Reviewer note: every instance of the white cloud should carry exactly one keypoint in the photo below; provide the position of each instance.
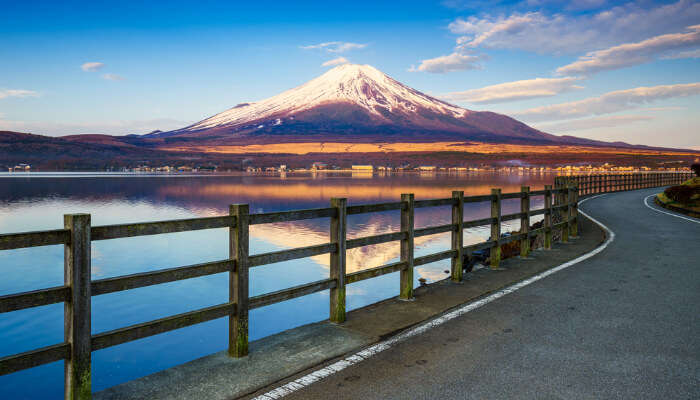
(683, 54)
(92, 66)
(608, 103)
(517, 90)
(335, 47)
(335, 61)
(608, 121)
(452, 62)
(4, 93)
(112, 77)
(103, 127)
(561, 33)
(629, 54)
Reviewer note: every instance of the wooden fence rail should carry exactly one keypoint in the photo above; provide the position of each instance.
(78, 288)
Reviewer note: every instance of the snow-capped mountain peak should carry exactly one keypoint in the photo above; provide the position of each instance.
(361, 85)
(353, 103)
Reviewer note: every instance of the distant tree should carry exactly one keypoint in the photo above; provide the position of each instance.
(696, 168)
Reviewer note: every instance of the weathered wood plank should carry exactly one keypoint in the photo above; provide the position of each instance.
(480, 246)
(34, 298)
(162, 325)
(338, 237)
(433, 230)
(548, 217)
(539, 211)
(509, 217)
(368, 208)
(159, 227)
(478, 222)
(457, 236)
(495, 227)
(407, 247)
(11, 241)
(376, 239)
(374, 272)
(294, 215)
(525, 221)
(290, 254)
(143, 279)
(238, 283)
(291, 293)
(76, 311)
(430, 258)
(34, 358)
(478, 199)
(434, 203)
(514, 195)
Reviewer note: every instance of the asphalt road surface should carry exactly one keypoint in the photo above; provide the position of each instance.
(624, 324)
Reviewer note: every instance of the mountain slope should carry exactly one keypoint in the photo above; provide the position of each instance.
(355, 102)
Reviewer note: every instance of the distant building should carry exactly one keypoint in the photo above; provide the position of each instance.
(364, 168)
(319, 165)
(23, 167)
(427, 168)
(283, 168)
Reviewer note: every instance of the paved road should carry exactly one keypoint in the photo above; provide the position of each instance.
(623, 324)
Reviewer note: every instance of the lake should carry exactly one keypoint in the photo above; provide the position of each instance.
(38, 201)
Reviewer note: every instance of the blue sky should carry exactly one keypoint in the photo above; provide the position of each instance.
(625, 71)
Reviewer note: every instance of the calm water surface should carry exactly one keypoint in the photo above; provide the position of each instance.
(38, 202)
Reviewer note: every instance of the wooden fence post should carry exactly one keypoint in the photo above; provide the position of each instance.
(496, 227)
(548, 217)
(238, 281)
(76, 311)
(573, 224)
(563, 212)
(407, 215)
(338, 267)
(457, 235)
(525, 220)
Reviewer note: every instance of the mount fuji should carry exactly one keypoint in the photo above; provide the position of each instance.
(355, 103)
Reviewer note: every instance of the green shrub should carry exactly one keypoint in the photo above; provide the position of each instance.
(681, 193)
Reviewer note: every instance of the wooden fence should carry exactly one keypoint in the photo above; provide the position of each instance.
(606, 183)
(78, 288)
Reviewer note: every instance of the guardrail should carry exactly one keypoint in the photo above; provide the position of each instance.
(78, 288)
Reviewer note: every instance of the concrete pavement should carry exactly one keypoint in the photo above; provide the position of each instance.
(624, 323)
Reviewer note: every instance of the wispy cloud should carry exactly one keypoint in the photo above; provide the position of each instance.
(608, 121)
(517, 90)
(335, 47)
(683, 54)
(113, 77)
(5, 93)
(335, 61)
(608, 103)
(92, 66)
(629, 54)
(562, 33)
(451, 62)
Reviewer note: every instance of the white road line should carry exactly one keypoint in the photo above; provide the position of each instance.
(338, 366)
(646, 203)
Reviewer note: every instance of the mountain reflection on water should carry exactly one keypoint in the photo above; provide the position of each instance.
(39, 201)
